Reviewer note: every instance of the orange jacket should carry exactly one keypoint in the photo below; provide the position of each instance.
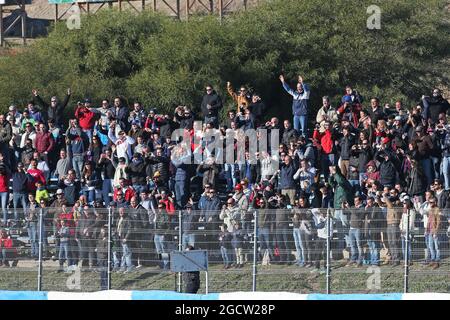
(240, 100)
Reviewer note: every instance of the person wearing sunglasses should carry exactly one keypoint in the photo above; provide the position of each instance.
(242, 99)
(55, 109)
(211, 104)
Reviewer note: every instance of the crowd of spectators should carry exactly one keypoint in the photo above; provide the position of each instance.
(371, 162)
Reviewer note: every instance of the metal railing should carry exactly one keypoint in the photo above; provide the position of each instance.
(306, 251)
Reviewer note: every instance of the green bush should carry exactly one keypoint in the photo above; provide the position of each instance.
(163, 62)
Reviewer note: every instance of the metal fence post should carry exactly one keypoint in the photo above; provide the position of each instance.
(255, 249)
(109, 247)
(328, 275)
(180, 245)
(41, 223)
(407, 242)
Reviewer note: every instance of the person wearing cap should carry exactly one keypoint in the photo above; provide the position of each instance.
(136, 130)
(86, 117)
(189, 225)
(15, 119)
(55, 109)
(60, 200)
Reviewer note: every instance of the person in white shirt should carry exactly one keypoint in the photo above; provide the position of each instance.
(123, 143)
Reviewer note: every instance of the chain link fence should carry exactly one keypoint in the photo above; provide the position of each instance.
(366, 250)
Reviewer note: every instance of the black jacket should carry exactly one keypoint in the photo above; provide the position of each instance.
(20, 181)
(71, 191)
(136, 171)
(106, 168)
(346, 144)
(214, 101)
(53, 113)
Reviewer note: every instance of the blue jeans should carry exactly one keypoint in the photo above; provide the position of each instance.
(433, 247)
(88, 132)
(229, 176)
(225, 258)
(63, 252)
(446, 171)
(427, 166)
(181, 193)
(138, 188)
(342, 230)
(188, 239)
(126, 257)
(4, 199)
(437, 168)
(90, 195)
(161, 245)
(264, 238)
(33, 235)
(116, 260)
(373, 250)
(355, 245)
(404, 247)
(106, 189)
(22, 197)
(299, 246)
(77, 164)
(301, 125)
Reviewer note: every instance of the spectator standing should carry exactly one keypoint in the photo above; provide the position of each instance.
(299, 104)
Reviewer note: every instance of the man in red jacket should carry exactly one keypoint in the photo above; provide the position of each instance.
(7, 250)
(125, 189)
(86, 117)
(44, 141)
(37, 175)
(325, 141)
